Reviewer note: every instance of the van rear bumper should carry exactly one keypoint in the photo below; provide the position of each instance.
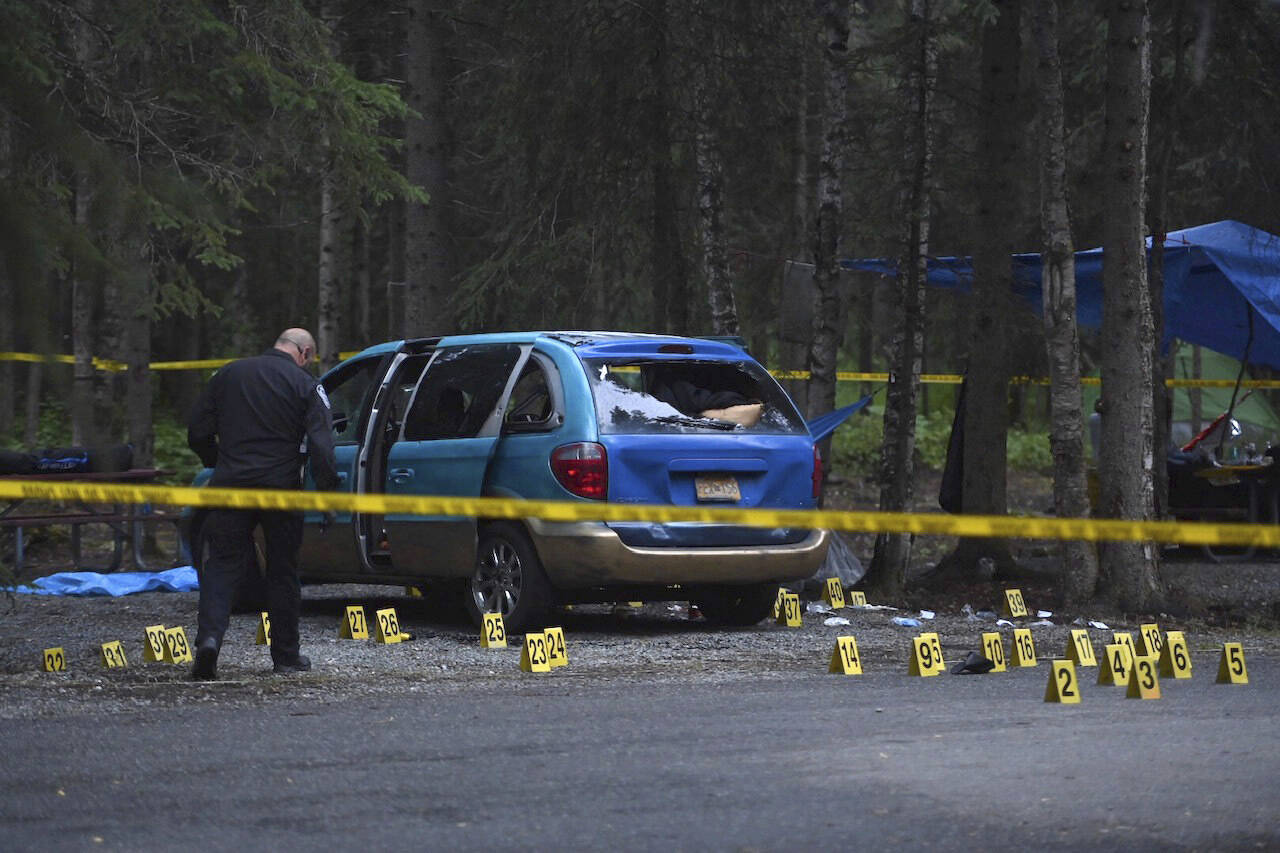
(581, 554)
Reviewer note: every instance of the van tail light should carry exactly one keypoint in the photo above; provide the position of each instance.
(817, 473)
(582, 468)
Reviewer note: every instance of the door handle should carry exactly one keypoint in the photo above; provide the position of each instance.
(401, 475)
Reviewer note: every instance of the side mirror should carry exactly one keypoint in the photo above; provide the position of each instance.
(340, 422)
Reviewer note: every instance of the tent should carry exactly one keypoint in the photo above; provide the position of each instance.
(1220, 279)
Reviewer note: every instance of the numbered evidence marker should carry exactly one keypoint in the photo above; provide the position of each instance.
(844, 657)
(534, 657)
(153, 644)
(1231, 669)
(924, 659)
(833, 593)
(493, 633)
(1063, 685)
(1148, 640)
(176, 649)
(54, 660)
(1080, 649)
(557, 654)
(1175, 660)
(354, 626)
(1013, 603)
(264, 630)
(386, 627)
(939, 665)
(113, 655)
(993, 648)
(856, 598)
(1125, 639)
(1117, 660)
(777, 603)
(1024, 648)
(1143, 683)
(789, 610)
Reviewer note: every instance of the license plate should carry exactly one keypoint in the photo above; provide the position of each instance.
(717, 488)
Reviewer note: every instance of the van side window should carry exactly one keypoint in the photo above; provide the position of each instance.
(459, 391)
(531, 398)
(348, 391)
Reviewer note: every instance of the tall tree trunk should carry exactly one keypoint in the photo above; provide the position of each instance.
(715, 258)
(362, 252)
(329, 299)
(986, 414)
(1062, 337)
(31, 434)
(892, 556)
(667, 259)
(139, 304)
(828, 322)
(8, 295)
(1161, 394)
(396, 285)
(795, 302)
(428, 265)
(83, 421)
(1130, 572)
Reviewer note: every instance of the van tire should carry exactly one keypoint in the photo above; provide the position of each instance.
(508, 578)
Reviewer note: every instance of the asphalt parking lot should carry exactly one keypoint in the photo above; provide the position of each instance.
(661, 733)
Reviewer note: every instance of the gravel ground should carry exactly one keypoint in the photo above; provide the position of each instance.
(658, 641)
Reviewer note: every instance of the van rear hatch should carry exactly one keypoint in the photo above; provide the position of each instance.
(689, 428)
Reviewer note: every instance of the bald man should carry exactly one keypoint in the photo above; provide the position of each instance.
(255, 425)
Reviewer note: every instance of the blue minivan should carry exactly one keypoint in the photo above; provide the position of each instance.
(590, 416)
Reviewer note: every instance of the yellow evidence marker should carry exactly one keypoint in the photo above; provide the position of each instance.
(113, 655)
(1143, 683)
(1231, 668)
(789, 610)
(1013, 603)
(1080, 649)
(557, 654)
(353, 626)
(264, 629)
(1148, 640)
(777, 604)
(993, 648)
(856, 598)
(533, 657)
(493, 633)
(176, 649)
(1024, 648)
(934, 643)
(1063, 686)
(1125, 639)
(1117, 660)
(54, 660)
(844, 657)
(833, 593)
(1175, 659)
(922, 658)
(153, 644)
(386, 627)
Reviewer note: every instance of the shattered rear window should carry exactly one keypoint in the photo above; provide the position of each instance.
(664, 396)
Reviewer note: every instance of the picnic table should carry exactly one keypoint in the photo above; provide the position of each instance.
(126, 522)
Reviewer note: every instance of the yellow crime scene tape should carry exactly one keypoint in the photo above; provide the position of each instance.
(114, 366)
(926, 524)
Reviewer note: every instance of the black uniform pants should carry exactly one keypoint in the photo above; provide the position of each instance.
(230, 556)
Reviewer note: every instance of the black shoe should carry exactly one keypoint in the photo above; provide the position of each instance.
(205, 667)
(975, 663)
(301, 663)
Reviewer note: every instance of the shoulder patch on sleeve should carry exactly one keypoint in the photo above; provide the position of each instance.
(324, 398)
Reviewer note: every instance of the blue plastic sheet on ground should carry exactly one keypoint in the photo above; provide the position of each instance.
(181, 579)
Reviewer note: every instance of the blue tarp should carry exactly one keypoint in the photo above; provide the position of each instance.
(182, 579)
(823, 425)
(1213, 274)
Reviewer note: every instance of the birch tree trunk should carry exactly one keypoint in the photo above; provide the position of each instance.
(986, 409)
(715, 258)
(828, 322)
(1062, 337)
(428, 266)
(329, 292)
(667, 260)
(139, 308)
(795, 313)
(83, 422)
(8, 296)
(1130, 573)
(892, 555)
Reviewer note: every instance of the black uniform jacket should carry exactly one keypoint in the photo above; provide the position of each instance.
(251, 419)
